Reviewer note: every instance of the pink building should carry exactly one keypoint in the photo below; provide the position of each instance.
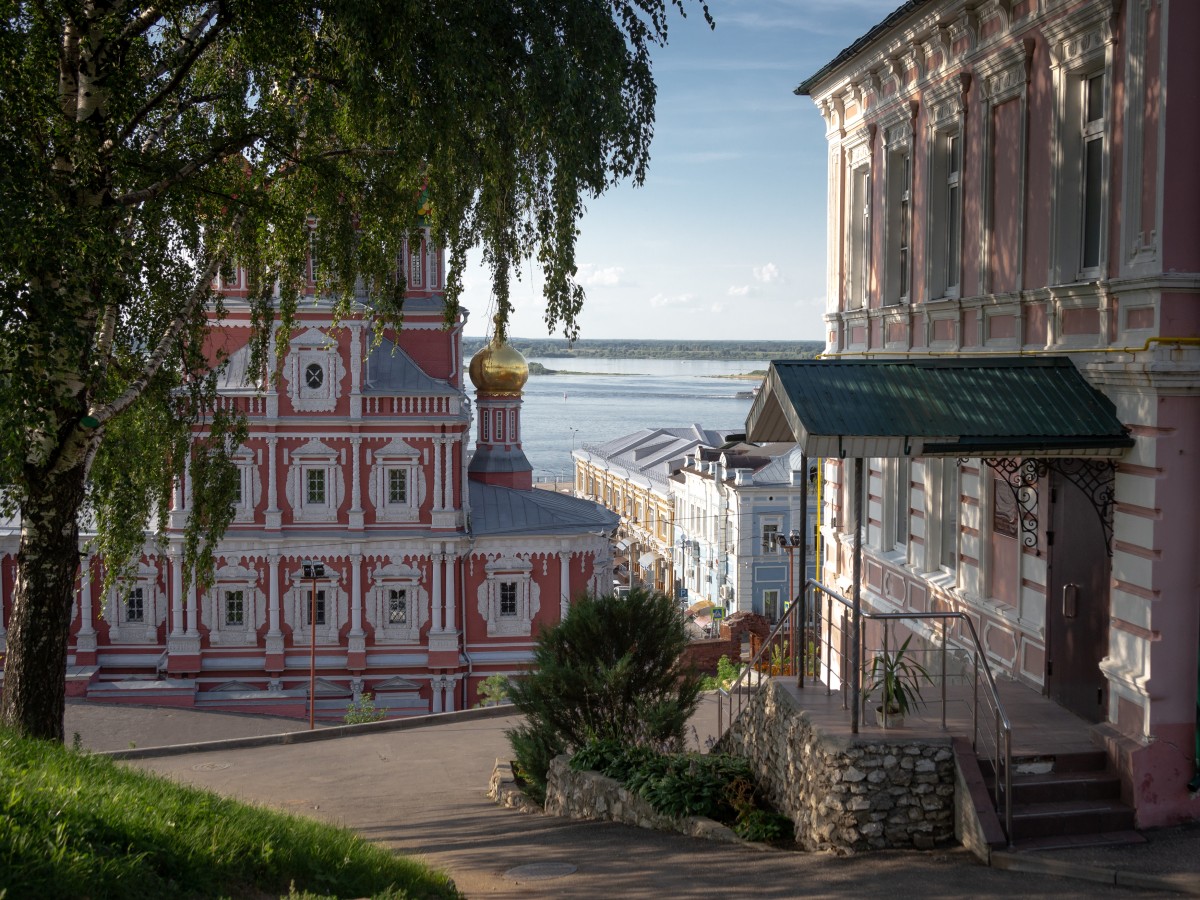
(439, 564)
(1012, 180)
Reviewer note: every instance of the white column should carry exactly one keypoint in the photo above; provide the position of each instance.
(192, 612)
(273, 596)
(435, 686)
(356, 335)
(438, 490)
(448, 705)
(176, 594)
(437, 599)
(356, 594)
(85, 599)
(451, 565)
(356, 510)
(187, 479)
(564, 582)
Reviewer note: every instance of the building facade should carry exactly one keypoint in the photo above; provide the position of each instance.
(1015, 177)
(438, 562)
(736, 511)
(630, 476)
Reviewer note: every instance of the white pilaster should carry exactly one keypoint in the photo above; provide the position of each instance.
(176, 593)
(564, 582)
(451, 565)
(356, 510)
(438, 599)
(273, 629)
(438, 487)
(274, 518)
(435, 687)
(356, 594)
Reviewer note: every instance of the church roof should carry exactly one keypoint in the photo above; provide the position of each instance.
(497, 510)
(392, 371)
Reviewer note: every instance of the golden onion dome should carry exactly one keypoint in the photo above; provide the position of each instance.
(499, 369)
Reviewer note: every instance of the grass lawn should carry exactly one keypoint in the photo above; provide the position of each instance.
(75, 825)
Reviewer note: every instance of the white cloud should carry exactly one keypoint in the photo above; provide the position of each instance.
(661, 300)
(738, 290)
(592, 276)
(766, 274)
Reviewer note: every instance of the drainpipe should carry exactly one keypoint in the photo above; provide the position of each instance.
(462, 591)
(856, 598)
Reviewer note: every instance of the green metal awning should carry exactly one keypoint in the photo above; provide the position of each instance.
(936, 406)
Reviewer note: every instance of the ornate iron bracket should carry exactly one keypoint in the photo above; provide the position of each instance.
(1097, 478)
(1022, 477)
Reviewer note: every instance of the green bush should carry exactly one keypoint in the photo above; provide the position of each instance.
(363, 710)
(611, 670)
(493, 690)
(717, 786)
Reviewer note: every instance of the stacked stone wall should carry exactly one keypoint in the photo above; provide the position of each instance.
(846, 792)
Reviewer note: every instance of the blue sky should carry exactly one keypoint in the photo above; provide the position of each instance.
(726, 239)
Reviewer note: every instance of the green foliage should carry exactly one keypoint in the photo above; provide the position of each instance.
(146, 149)
(78, 825)
(717, 786)
(897, 677)
(727, 673)
(534, 748)
(612, 670)
(493, 690)
(363, 710)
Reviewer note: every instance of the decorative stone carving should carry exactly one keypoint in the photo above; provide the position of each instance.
(313, 372)
(501, 622)
(216, 616)
(412, 615)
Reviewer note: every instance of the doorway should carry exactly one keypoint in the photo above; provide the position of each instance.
(1077, 601)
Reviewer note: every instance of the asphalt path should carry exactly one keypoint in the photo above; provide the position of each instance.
(422, 792)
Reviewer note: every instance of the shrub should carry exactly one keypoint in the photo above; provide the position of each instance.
(363, 710)
(493, 690)
(611, 670)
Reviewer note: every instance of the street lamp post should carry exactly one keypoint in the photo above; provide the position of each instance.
(312, 571)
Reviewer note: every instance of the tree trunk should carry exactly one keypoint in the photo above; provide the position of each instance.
(35, 671)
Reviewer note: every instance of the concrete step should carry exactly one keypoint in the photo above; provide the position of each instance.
(1070, 817)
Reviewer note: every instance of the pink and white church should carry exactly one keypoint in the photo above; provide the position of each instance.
(441, 561)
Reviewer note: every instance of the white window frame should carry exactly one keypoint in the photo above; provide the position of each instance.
(943, 491)
(770, 604)
(249, 486)
(314, 348)
(502, 571)
(858, 223)
(897, 504)
(396, 456)
(1081, 47)
(899, 232)
(298, 604)
(944, 247)
(233, 578)
(397, 577)
(769, 531)
(315, 456)
(121, 629)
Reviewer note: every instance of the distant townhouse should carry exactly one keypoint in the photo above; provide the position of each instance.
(737, 519)
(630, 476)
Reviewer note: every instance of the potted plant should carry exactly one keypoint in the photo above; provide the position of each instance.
(897, 676)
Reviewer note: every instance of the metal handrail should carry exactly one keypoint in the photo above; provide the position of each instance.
(1002, 760)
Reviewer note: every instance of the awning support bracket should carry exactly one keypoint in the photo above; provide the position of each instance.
(1022, 477)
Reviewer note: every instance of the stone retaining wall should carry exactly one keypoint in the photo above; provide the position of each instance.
(846, 792)
(590, 795)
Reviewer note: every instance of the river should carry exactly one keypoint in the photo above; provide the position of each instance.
(604, 399)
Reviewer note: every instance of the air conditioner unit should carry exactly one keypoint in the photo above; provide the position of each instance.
(726, 592)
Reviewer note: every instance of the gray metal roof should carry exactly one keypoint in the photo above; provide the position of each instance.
(962, 406)
(390, 370)
(497, 510)
(653, 453)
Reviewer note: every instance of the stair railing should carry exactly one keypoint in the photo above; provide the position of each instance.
(812, 638)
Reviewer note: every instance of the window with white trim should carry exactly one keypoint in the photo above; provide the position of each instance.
(235, 608)
(320, 608)
(397, 605)
(1081, 46)
(771, 604)
(899, 226)
(314, 487)
(859, 237)
(945, 213)
(770, 537)
(135, 605)
(898, 482)
(946, 497)
(415, 269)
(397, 486)
(397, 613)
(509, 598)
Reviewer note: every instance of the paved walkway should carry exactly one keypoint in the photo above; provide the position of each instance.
(422, 790)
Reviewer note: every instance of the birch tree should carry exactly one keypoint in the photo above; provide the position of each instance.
(146, 147)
